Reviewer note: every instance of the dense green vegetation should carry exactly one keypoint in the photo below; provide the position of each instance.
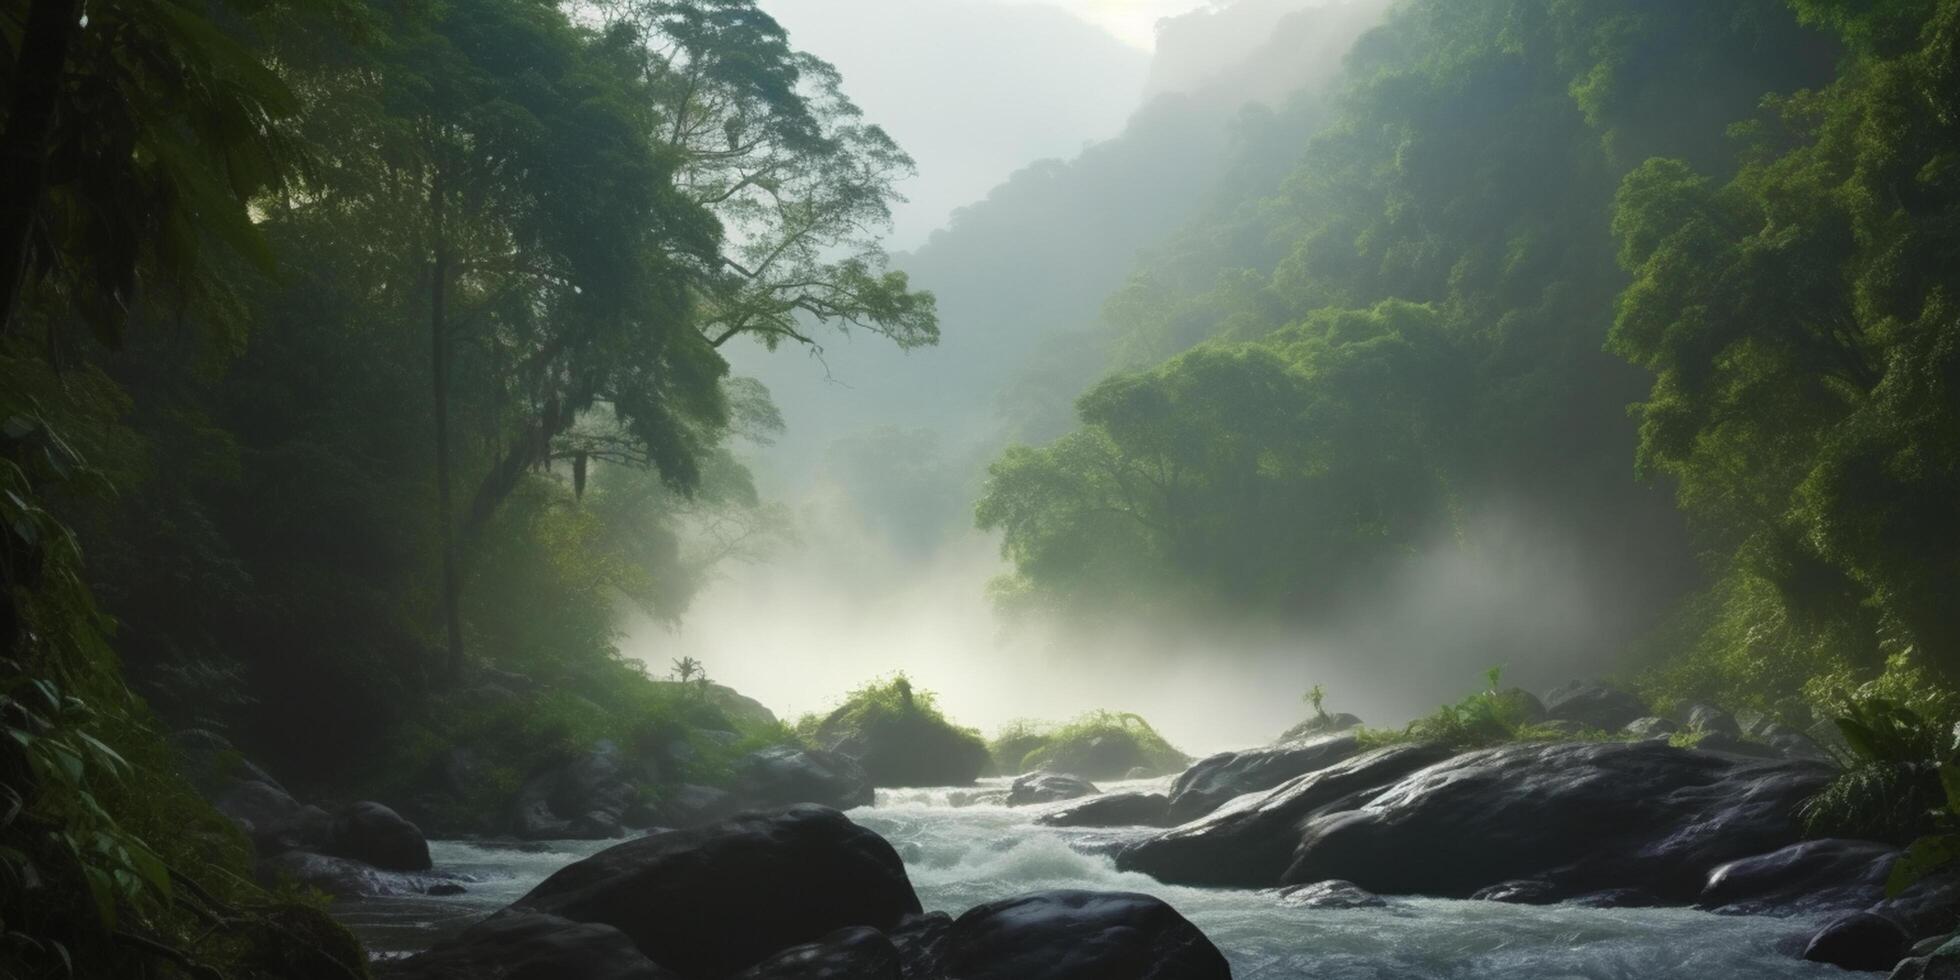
(371, 354)
(1524, 217)
(1098, 745)
(899, 735)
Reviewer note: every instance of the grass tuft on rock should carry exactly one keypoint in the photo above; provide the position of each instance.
(1098, 745)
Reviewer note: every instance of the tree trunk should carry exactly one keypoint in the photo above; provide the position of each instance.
(527, 450)
(452, 586)
(51, 25)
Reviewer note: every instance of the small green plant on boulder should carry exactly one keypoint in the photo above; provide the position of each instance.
(899, 735)
(1098, 745)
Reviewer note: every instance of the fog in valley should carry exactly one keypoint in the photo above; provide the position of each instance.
(885, 451)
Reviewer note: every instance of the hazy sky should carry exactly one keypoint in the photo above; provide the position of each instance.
(976, 89)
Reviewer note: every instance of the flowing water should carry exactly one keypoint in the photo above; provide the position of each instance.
(960, 856)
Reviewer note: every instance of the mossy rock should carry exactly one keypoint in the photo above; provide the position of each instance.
(1102, 745)
(900, 738)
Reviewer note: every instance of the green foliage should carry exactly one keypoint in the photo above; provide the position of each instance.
(1316, 697)
(1109, 742)
(1485, 718)
(1892, 782)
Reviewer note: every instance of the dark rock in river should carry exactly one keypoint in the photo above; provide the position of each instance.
(583, 797)
(368, 831)
(1340, 721)
(1048, 787)
(915, 748)
(713, 900)
(529, 946)
(688, 806)
(1077, 935)
(1586, 816)
(348, 878)
(1940, 963)
(1111, 810)
(921, 942)
(1108, 755)
(1524, 891)
(1248, 843)
(1859, 941)
(1593, 706)
(785, 775)
(1708, 718)
(1330, 895)
(1652, 726)
(856, 953)
(1731, 745)
(275, 822)
(1810, 876)
(1214, 780)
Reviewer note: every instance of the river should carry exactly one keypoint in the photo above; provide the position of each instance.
(960, 856)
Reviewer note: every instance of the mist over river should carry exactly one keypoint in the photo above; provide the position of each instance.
(961, 856)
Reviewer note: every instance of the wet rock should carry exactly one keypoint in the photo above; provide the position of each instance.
(1587, 816)
(1249, 842)
(856, 953)
(1330, 895)
(1708, 718)
(1078, 935)
(528, 946)
(905, 749)
(274, 821)
(347, 878)
(1318, 725)
(1048, 787)
(712, 900)
(1526, 891)
(921, 942)
(1593, 706)
(691, 806)
(370, 832)
(1859, 941)
(582, 797)
(1617, 898)
(1939, 963)
(785, 775)
(977, 797)
(1811, 876)
(1652, 726)
(1214, 780)
(1111, 810)
(1729, 744)
(1108, 755)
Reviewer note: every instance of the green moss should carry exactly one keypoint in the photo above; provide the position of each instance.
(900, 736)
(1098, 745)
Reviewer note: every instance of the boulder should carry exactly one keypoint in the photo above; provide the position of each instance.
(1330, 895)
(274, 821)
(1076, 935)
(368, 831)
(1859, 941)
(528, 946)
(1593, 706)
(687, 806)
(347, 878)
(1652, 726)
(1048, 787)
(713, 900)
(855, 953)
(1731, 745)
(1227, 775)
(1586, 816)
(1339, 721)
(1811, 876)
(581, 797)
(1798, 746)
(1249, 842)
(1110, 810)
(1708, 718)
(921, 941)
(1106, 755)
(784, 775)
(916, 748)
(1940, 963)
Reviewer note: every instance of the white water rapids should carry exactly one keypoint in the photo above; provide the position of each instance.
(959, 857)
